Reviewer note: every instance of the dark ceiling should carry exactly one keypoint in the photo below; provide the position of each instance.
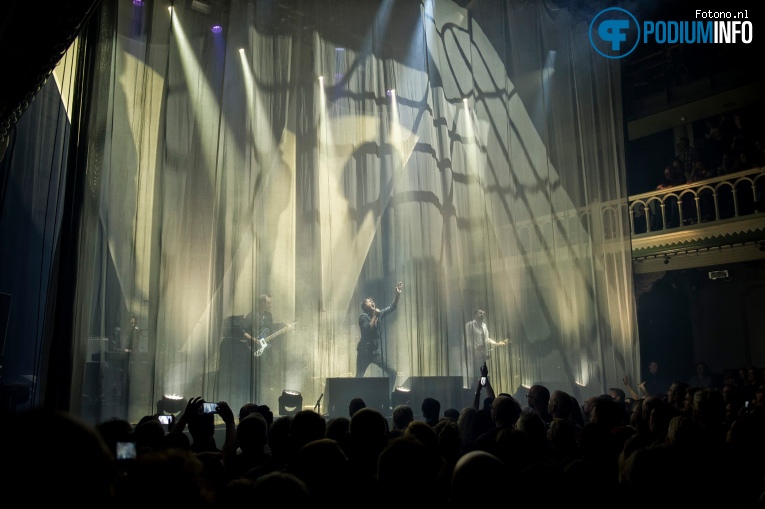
(34, 37)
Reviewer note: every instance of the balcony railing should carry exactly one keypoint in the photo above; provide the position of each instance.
(714, 199)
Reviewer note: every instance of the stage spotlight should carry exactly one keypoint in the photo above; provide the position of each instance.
(241, 50)
(172, 403)
(390, 92)
(400, 396)
(138, 3)
(290, 402)
(216, 29)
(200, 6)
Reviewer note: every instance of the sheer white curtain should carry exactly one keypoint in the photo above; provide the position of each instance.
(322, 156)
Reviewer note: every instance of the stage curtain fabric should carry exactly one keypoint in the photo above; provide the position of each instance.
(320, 154)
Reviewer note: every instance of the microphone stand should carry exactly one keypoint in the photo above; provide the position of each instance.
(317, 407)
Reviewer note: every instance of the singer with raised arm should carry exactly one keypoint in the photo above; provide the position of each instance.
(368, 350)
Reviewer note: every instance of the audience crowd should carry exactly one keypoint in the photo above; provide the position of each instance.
(728, 145)
(684, 444)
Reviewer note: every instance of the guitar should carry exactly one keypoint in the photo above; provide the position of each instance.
(261, 342)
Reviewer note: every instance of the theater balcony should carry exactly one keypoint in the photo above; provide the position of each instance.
(704, 223)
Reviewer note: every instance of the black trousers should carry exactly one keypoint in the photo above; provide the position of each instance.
(365, 358)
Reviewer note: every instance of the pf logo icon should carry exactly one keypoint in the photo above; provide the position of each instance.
(614, 32)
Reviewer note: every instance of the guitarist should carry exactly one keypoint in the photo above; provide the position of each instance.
(263, 321)
(263, 326)
(238, 369)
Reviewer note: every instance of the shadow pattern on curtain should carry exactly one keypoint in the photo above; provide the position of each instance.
(322, 155)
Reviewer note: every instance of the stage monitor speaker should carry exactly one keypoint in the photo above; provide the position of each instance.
(446, 389)
(340, 391)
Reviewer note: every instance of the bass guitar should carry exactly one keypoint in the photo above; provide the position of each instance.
(260, 342)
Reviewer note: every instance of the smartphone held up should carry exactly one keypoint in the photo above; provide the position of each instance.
(126, 450)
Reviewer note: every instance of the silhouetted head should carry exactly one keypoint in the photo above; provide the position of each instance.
(607, 412)
(306, 427)
(402, 416)
(408, 471)
(355, 405)
(201, 426)
(324, 467)
(337, 430)
(115, 430)
(252, 433)
(271, 489)
(473, 469)
(247, 409)
(149, 434)
(538, 397)
(431, 409)
(505, 411)
(368, 430)
(57, 458)
(452, 413)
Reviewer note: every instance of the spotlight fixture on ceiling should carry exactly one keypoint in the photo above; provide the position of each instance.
(201, 6)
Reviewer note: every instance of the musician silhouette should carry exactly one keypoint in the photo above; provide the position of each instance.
(243, 341)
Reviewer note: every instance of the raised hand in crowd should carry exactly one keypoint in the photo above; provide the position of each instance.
(230, 442)
(193, 407)
(633, 392)
(482, 383)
